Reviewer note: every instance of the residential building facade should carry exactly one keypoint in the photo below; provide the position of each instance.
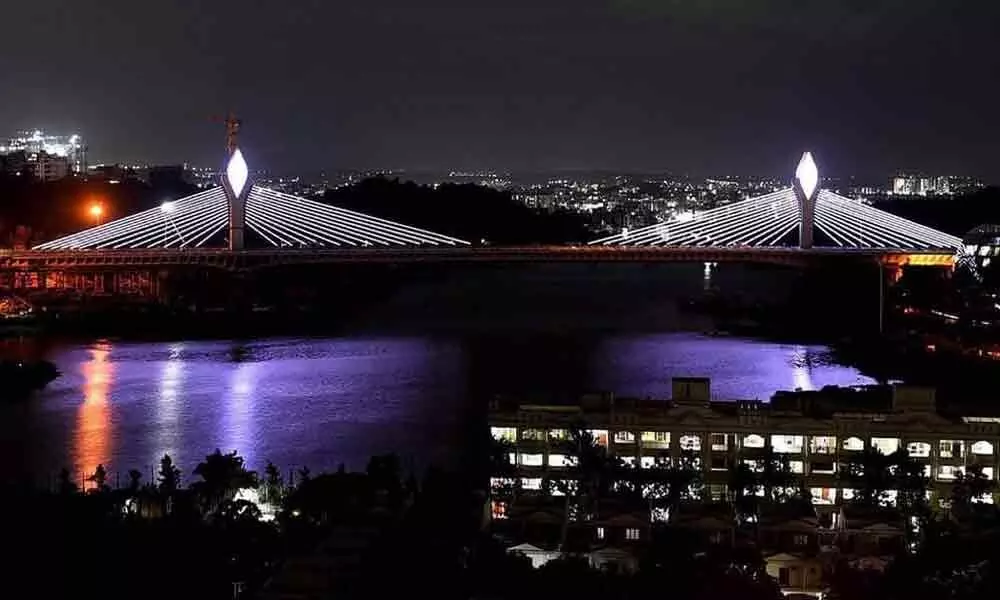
(818, 432)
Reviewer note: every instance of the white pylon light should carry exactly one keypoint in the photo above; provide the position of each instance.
(807, 174)
(237, 172)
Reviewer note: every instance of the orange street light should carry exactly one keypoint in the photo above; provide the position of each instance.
(96, 210)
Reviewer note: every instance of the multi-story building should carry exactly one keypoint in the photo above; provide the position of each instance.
(35, 143)
(49, 167)
(818, 432)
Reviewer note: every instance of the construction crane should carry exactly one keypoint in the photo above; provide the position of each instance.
(232, 130)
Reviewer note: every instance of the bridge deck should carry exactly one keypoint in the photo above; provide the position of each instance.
(251, 259)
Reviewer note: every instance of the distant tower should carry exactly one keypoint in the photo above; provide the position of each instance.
(236, 182)
(806, 187)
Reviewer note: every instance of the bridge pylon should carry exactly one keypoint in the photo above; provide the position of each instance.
(236, 182)
(806, 186)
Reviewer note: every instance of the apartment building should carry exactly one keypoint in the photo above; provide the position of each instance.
(818, 431)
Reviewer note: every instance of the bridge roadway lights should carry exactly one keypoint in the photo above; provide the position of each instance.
(254, 259)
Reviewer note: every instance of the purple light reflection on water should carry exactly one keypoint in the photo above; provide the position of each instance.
(320, 402)
(740, 368)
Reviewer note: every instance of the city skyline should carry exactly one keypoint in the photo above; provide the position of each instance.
(715, 87)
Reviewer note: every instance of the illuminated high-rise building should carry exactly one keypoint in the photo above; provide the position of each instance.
(35, 143)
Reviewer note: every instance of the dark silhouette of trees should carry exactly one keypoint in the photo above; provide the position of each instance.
(169, 476)
(222, 476)
(467, 211)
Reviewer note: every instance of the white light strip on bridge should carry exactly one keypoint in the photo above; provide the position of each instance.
(279, 219)
(119, 232)
(771, 219)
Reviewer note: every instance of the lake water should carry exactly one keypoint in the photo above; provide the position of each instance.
(412, 375)
(319, 402)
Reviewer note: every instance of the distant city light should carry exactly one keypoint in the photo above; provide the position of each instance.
(807, 174)
(96, 210)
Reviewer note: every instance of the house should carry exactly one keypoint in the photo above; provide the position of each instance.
(538, 556)
(868, 532)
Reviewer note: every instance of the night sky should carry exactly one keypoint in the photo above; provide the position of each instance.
(701, 86)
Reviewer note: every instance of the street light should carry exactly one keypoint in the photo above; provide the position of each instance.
(166, 209)
(96, 211)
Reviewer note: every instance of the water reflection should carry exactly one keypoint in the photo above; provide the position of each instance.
(168, 435)
(238, 431)
(92, 435)
(801, 368)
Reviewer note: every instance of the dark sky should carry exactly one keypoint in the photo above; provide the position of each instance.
(711, 86)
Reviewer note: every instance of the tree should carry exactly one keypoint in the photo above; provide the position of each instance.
(776, 477)
(869, 474)
(273, 484)
(968, 487)
(134, 478)
(743, 488)
(222, 475)
(99, 479)
(169, 476)
(65, 482)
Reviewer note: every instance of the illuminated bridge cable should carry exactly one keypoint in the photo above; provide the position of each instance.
(772, 219)
(279, 220)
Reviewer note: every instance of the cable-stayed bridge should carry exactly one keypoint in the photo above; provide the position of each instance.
(242, 226)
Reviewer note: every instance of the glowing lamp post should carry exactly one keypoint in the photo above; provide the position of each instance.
(237, 176)
(807, 178)
(96, 211)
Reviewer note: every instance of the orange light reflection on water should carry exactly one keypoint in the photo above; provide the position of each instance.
(93, 420)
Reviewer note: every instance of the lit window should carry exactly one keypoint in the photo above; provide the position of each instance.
(499, 509)
(655, 437)
(787, 444)
(512, 457)
(754, 441)
(823, 467)
(558, 434)
(690, 442)
(531, 483)
(919, 449)
(532, 460)
(796, 466)
(854, 444)
(508, 434)
(801, 540)
(647, 462)
(988, 473)
(560, 460)
(499, 483)
(889, 496)
(950, 448)
(720, 442)
(756, 466)
(847, 494)
(631, 533)
(822, 444)
(927, 471)
(982, 448)
(986, 498)
(600, 533)
(600, 436)
(628, 461)
(948, 472)
(885, 445)
(624, 437)
(824, 496)
(533, 434)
